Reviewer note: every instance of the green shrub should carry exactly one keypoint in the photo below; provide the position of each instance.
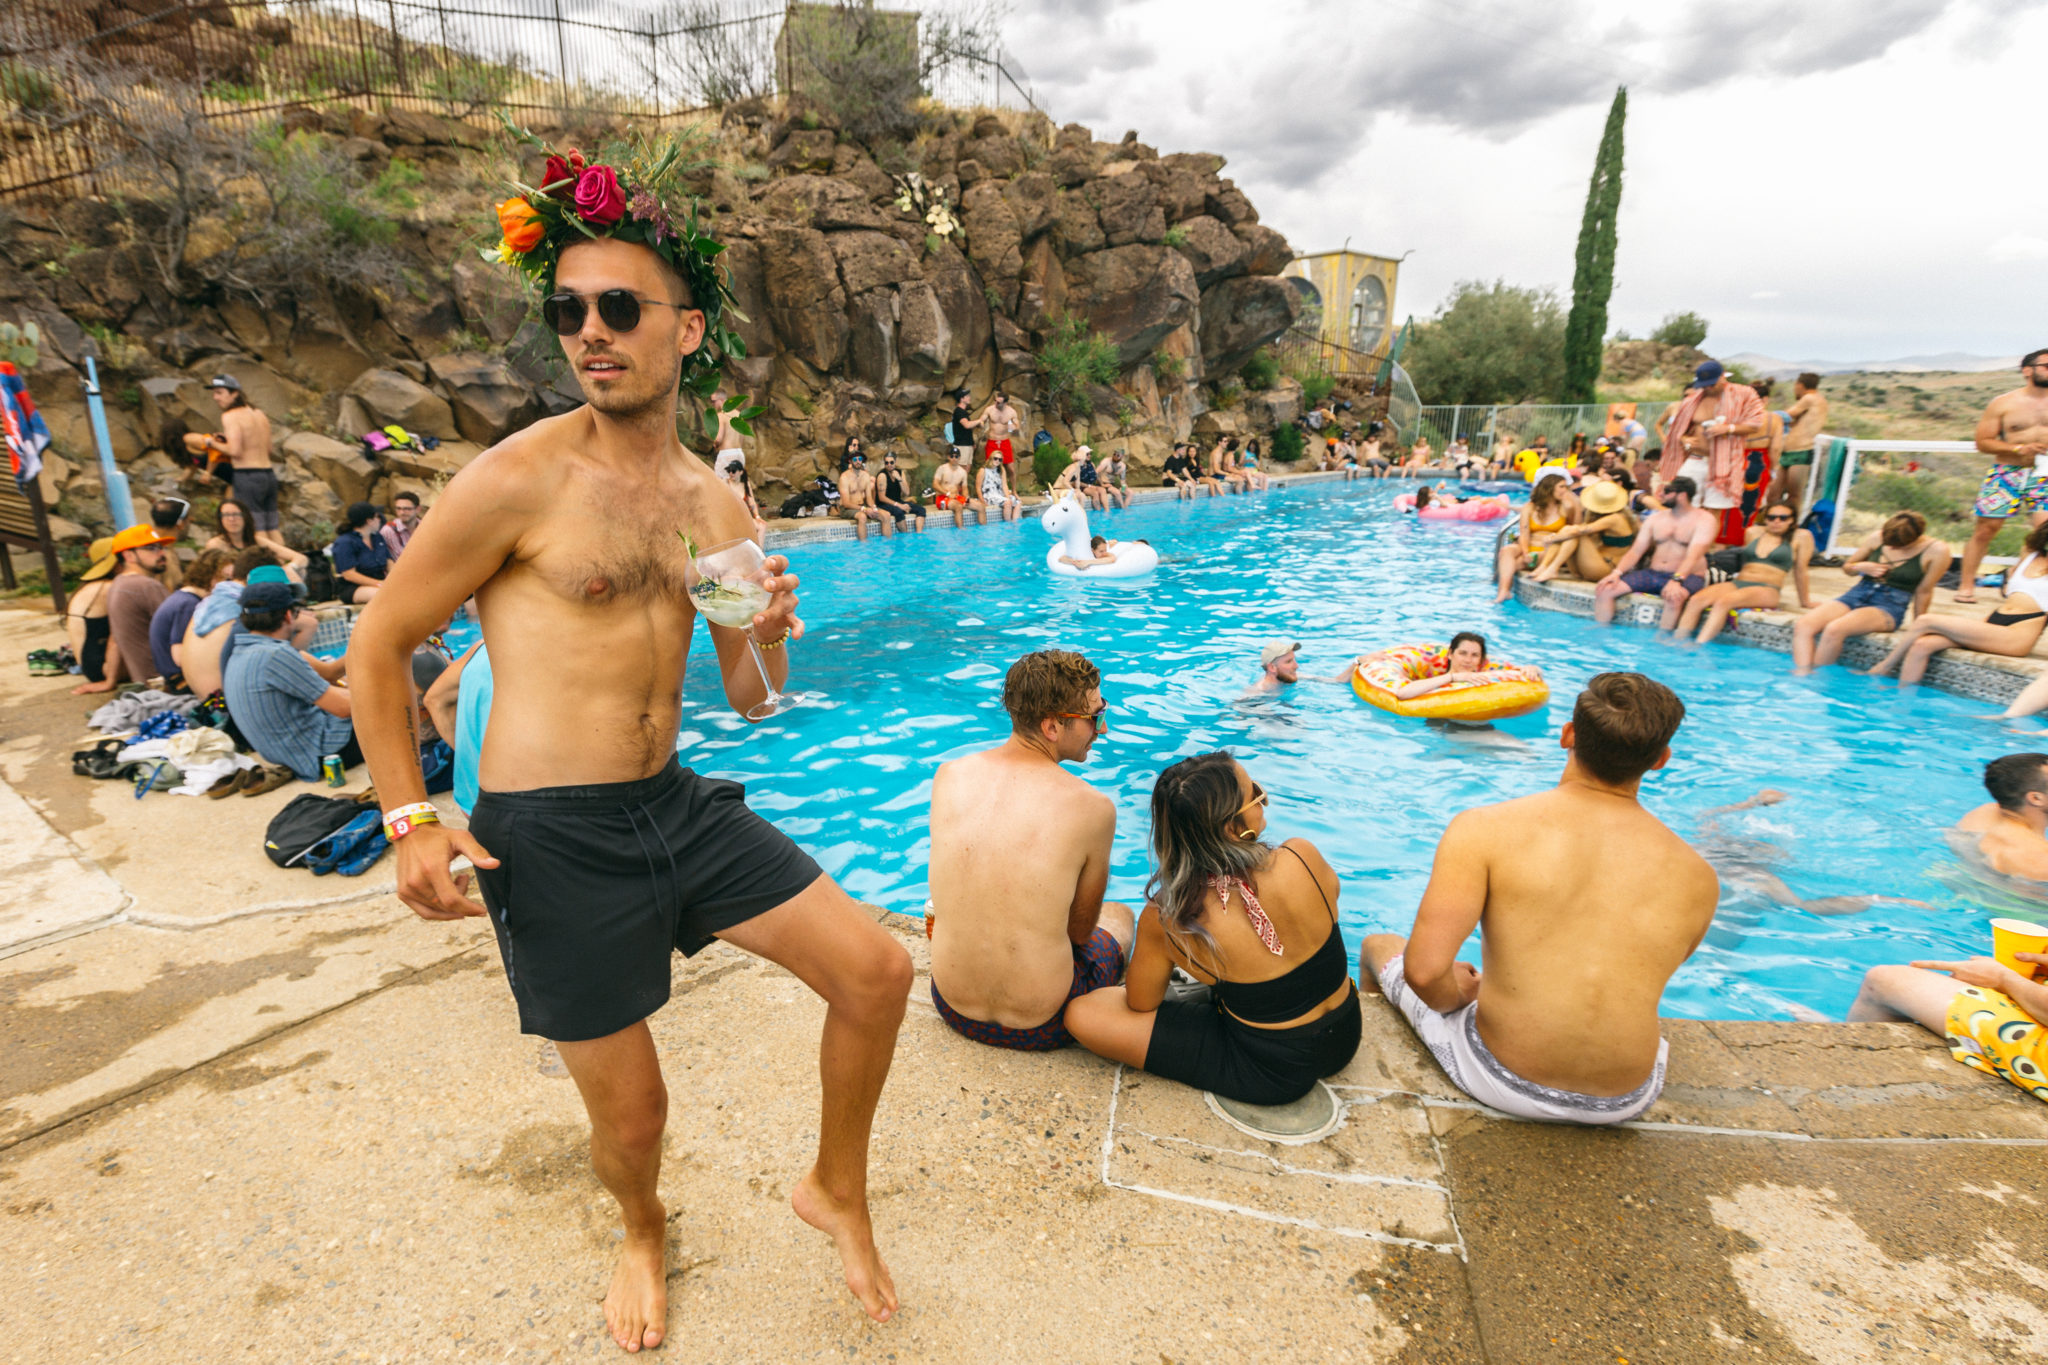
(1168, 368)
(1680, 329)
(1175, 236)
(1287, 444)
(396, 183)
(1316, 388)
(1261, 371)
(1049, 461)
(1073, 357)
(26, 88)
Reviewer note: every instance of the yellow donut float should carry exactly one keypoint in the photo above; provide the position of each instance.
(1482, 698)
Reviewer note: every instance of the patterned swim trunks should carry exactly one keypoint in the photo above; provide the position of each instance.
(1988, 1031)
(1097, 963)
(2010, 489)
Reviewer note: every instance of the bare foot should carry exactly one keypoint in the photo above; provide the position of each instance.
(848, 1227)
(1965, 596)
(636, 1309)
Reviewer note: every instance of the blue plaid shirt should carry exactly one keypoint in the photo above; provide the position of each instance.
(271, 693)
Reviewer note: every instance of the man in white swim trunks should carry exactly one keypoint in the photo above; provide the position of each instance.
(1562, 1024)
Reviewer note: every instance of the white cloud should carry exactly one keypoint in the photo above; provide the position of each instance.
(1859, 142)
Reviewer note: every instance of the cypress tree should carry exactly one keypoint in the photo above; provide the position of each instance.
(1593, 278)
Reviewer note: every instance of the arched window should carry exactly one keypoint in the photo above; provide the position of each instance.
(1310, 318)
(1369, 314)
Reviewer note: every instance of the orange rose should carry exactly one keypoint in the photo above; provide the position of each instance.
(520, 225)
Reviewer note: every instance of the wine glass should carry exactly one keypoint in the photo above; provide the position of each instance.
(732, 589)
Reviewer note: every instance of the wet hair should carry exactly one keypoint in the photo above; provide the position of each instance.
(252, 558)
(1544, 497)
(1901, 529)
(2010, 778)
(1193, 803)
(1046, 684)
(1461, 637)
(1682, 484)
(1097, 542)
(1812, 381)
(1622, 723)
(206, 566)
(166, 513)
(248, 522)
(1422, 496)
(359, 514)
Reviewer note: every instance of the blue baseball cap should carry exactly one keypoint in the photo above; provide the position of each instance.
(266, 597)
(1708, 374)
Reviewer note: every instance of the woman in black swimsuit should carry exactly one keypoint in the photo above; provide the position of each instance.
(1256, 924)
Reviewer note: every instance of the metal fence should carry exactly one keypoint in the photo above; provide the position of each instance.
(1304, 351)
(653, 59)
(1480, 425)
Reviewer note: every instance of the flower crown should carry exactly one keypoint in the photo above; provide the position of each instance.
(628, 199)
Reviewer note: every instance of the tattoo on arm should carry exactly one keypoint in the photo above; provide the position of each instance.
(412, 730)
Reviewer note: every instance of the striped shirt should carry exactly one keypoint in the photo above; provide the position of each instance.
(272, 694)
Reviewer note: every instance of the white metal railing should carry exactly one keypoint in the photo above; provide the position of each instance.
(1852, 458)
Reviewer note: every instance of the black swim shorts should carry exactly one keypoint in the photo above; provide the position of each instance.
(256, 489)
(596, 886)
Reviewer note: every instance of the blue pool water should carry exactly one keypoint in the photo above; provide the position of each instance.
(909, 639)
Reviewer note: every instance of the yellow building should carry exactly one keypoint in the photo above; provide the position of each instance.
(1348, 306)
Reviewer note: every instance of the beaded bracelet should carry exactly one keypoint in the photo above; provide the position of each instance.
(778, 642)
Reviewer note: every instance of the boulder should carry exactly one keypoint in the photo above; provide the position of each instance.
(1077, 229)
(341, 466)
(1070, 166)
(805, 150)
(924, 338)
(1133, 295)
(871, 339)
(1225, 202)
(805, 299)
(964, 307)
(1211, 248)
(435, 466)
(1203, 164)
(868, 260)
(167, 398)
(1217, 423)
(1128, 207)
(993, 241)
(490, 401)
(388, 396)
(970, 172)
(489, 297)
(1001, 157)
(1240, 315)
(1266, 251)
(1182, 192)
(250, 326)
(322, 348)
(819, 201)
(262, 386)
(1042, 293)
(1274, 407)
(742, 260)
(183, 345)
(1034, 200)
(411, 128)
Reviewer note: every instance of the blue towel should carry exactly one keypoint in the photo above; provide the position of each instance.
(351, 849)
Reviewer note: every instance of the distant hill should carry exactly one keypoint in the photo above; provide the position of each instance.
(1954, 362)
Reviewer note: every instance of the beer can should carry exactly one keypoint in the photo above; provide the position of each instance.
(332, 771)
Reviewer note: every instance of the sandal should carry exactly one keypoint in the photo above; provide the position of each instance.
(229, 784)
(101, 760)
(268, 780)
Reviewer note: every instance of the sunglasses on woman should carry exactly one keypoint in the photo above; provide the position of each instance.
(1259, 797)
(618, 309)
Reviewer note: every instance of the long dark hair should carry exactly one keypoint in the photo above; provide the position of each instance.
(1422, 496)
(1193, 802)
(248, 523)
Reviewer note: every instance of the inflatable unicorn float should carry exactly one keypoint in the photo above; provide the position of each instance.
(1068, 520)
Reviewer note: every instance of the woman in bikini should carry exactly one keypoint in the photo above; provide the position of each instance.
(1255, 924)
(2012, 629)
(1897, 569)
(1546, 514)
(86, 625)
(1592, 548)
(1773, 550)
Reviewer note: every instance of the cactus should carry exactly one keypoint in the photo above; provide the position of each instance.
(20, 345)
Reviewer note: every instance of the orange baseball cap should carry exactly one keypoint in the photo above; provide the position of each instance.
(139, 535)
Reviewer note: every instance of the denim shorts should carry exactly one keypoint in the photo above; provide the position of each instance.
(1886, 598)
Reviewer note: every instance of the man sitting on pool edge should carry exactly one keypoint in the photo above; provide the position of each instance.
(1562, 1025)
(1019, 862)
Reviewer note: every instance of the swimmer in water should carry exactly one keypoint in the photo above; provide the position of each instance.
(2010, 831)
(1466, 656)
(1741, 864)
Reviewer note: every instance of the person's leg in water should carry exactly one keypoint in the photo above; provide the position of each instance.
(1929, 635)
(864, 977)
(1605, 595)
(1511, 563)
(1894, 995)
(1739, 597)
(620, 1079)
(1819, 637)
(1772, 887)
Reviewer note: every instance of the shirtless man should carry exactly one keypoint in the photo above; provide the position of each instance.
(568, 533)
(1677, 540)
(1809, 414)
(2011, 829)
(949, 489)
(2012, 431)
(244, 443)
(1279, 666)
(1000, 425)
(1575, 965)
(1017, 922)
(1223, 474)
(857, 500)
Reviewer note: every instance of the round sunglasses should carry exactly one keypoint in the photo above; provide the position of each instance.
(618, 309)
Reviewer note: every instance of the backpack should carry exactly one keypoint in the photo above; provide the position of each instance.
(437, 766)
(1820, 520)
(305, 822)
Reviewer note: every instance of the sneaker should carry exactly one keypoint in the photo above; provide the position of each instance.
(44, 663)
(263, 780)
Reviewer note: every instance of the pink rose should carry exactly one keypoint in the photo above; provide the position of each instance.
(600, 201)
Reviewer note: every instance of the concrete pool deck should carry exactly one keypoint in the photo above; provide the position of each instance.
(235, 1127)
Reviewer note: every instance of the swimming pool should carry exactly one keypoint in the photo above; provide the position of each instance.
(909, 638)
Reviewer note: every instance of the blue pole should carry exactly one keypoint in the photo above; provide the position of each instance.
(120, 506)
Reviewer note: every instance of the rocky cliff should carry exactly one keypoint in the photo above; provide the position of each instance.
(863, 311)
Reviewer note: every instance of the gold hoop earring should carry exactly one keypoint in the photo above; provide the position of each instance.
(1247, 836)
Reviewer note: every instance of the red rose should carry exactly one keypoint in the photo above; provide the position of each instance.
(600, 201)
(557, 181)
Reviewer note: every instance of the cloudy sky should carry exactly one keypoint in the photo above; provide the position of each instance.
(1833, 179)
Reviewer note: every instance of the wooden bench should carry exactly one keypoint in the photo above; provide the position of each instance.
(25, 522)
